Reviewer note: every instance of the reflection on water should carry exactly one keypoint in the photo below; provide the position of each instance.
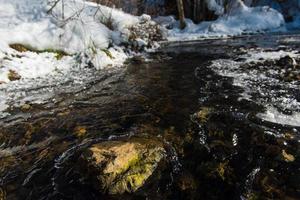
(219, 149)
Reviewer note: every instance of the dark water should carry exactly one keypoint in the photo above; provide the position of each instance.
(219, 150)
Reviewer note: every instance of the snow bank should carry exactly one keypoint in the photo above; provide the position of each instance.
(75, 27)
(240, 19)
(81, 26)
(215, 6)
(290, 10)
(42, 46)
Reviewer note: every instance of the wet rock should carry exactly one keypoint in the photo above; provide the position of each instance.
(291, 76)
(187, 182)
(145, 34)
(287, 157)
(286, 62)
(25, 107)
(122, 166)
(224, 170)
(269, 63)
(13, 75)
(137, 60)
(80, 131)
(289, 136)
(2, 194)
(203, 115)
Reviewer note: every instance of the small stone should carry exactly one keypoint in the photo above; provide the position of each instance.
(187, 182)
(288, 157)
(286, 62)
(289, 136)
(13, 75)
(25, 107)
(137, 59)
(80, 131)
(203, 114)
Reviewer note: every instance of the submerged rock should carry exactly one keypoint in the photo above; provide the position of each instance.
(286, 61)
(2, 194)
(122, 166)
(287, 157)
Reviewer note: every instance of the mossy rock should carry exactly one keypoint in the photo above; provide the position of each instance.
(122, 166)
(24, 48)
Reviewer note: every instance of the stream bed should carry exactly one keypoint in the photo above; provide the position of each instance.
(228, 111)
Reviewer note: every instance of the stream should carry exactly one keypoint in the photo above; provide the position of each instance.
(230, 119)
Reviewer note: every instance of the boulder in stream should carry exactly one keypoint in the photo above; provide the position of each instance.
(117, 167)
(287, 62)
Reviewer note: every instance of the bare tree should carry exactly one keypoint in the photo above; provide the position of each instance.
(181, 14)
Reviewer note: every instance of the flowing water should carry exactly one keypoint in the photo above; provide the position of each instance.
(192, 96)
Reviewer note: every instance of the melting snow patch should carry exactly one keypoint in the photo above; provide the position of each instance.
(272, 115)
(264, 84)
(263, 55)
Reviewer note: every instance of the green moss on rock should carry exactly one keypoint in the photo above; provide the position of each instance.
(123, 166)
(24, 48)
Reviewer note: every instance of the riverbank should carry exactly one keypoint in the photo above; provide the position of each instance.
(206, 130)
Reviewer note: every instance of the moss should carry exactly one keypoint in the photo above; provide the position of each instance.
(24, 48)
(124, 166)
(108, 53)
(80, 131)
(19, 47)
(216, 133)
(25, 107)
(2, 194)
(221, 170)
(134, 174)
(252, 196)
(132, 181)
(204, 114)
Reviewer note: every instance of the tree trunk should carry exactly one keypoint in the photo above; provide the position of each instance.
(140, 7)
(181, 14)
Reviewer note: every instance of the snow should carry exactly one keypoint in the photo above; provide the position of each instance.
(290, 10)
(240, 19)
(215, 6)
(27, 22)
(32, 65)
(268, 55)
(80, 27)
(263, 85)
(274, 116)
(86, 32)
